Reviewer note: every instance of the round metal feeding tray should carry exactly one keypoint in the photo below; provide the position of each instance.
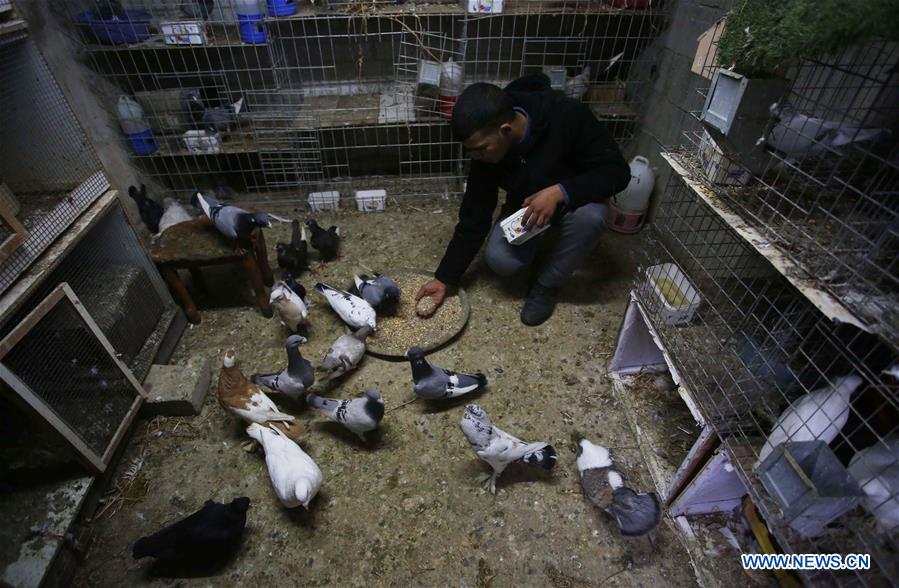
(404, 329)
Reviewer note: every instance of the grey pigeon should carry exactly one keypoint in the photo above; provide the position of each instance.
(215, 119)
(346, 352)
(637, 513)
(381, 291)
(432, 382)
(231, 221)
(499, 448)
(295, 378)
(359, 415)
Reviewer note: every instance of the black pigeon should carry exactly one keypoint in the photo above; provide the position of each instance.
(295, 286)
(327, 243)
(150, 210)
(214, 119)
(209, 535)
(294, 256)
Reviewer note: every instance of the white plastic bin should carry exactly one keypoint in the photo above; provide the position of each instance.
(682, 299)
(202, 141)
(319, 201)
(371, 200)
(192, 32)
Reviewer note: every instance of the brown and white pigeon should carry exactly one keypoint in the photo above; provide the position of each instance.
(637, 513)
(289, 306)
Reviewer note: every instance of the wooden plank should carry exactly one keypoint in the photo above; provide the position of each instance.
(18, 236)
(698, 455)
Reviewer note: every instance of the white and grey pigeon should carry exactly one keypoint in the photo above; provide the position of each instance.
(637, 513)
(173, 213)
(798, 135)
(818, 415)
(346, 352)
(296, 479)
(352, 310)
(359, 415)
(381, 291)
(432, 383)
(231, 221)
(499, 448)
(290, 307)
(293, 380)
(876, 469)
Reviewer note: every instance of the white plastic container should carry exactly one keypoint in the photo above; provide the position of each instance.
(627, 209)
(371, 200)
(319, 201)
(682, 299)
(485, 6)
(429, 72)
(202, 141)
(718, 168)
(516, 233)
(191, 32)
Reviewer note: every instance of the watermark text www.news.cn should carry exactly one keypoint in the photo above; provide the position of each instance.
(805, 561)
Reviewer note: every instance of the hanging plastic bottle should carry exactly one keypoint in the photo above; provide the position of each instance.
(135, 126)
(251, 19)
(452, 80)
(627, 209)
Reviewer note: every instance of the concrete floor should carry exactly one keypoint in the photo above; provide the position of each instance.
(408, 508)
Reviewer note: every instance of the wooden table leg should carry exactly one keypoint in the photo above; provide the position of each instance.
(198, 279)
(171, 277)
(251, 267)
(262, 258)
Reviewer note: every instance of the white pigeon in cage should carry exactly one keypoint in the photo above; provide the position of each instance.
(816, 416)
(876, 469)
(352, 310)
(295, 477)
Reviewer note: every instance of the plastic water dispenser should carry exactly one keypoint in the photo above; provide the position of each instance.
(251, 18)
(135, 126)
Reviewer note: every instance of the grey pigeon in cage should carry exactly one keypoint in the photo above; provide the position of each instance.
(295, 477)
(352, 310)
(219, 119)
(499, 449)
(197, 8)
(818, 415)
(295, 378)
(876, 469)
(290, 308)
(210, 535)
(346, 352)
(173, 214)
(637, 513)
(327, 243)
(381, 291)
(232, 222)
(150, 211)
(433, 383)
(359, 415)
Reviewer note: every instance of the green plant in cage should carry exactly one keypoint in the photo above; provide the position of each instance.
(762, 35)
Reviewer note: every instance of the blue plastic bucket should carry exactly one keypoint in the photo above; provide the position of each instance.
(281, 7)
(143, 143)
(252, 28)
(132, 29)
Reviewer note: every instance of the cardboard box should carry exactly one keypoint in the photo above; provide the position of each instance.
(705, 62)
(515, 232)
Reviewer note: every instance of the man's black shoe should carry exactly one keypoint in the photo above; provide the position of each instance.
(539, 305)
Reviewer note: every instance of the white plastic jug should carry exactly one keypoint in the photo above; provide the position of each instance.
(131, 115)
(635, 198)
(452, 77)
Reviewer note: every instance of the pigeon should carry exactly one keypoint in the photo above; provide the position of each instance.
(818, 415)
(637, 513)
(295, 378)
(232, 222)
(346, 352)
(352, 310)
(209, 535)
(150, 210)
(798, 136)
(295, 286)
(576, 86)
(289, 307)
(224, 192)
(382, 292)
(499, 449)
(359, 415)
(294, 256)
(876, 469)
(197, 8)
(110, 10)
(239, 395)
(433, 383)
(173, 213)
(327, 243)
(216, 119)
(296, 479)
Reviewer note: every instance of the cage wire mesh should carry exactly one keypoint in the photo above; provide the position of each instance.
(116, 282)
(49, 168)
(755, 350)
(332, 98)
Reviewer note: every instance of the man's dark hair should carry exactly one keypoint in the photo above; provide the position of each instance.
(481, 107)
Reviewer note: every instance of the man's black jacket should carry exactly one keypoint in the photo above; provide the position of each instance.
(565, 145)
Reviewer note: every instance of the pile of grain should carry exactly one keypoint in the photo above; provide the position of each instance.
(398, 332)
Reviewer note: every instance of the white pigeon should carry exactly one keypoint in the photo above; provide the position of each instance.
(290, 308)
(346, 352)
(295, 477)
(499, 448)
(173, 213)
(359, 415)
(876, 469)
(818, 415)
(353, 310)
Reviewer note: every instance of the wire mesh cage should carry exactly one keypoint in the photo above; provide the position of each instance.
(768, 369)
(60, 367)
(330, 96)
(50, 172)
